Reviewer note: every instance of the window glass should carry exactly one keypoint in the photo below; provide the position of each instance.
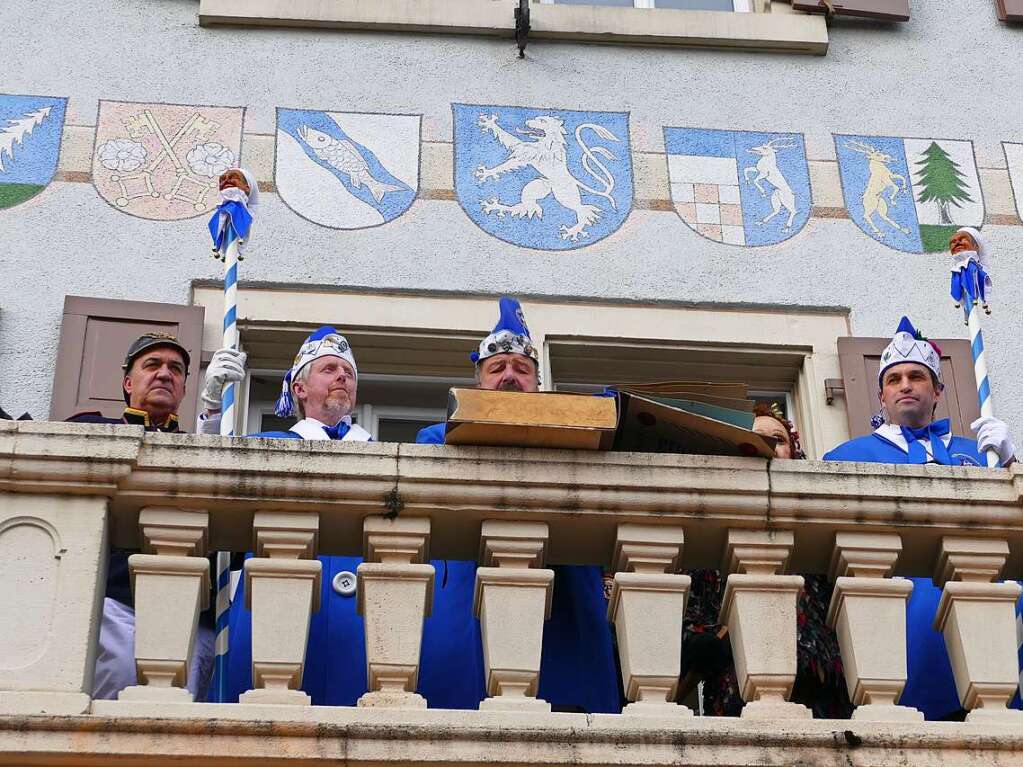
(696, 5)
(619, 3)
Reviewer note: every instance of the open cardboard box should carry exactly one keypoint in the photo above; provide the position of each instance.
(585, 422)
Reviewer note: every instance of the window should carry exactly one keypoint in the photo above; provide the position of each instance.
(412, 347)
(743, 24)
(686, 5)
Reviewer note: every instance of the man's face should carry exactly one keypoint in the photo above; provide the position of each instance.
(236, 178)
(909, 395)
(155, 382)
(508, 371)
(771, 427)
(961, 241)
(328, 394)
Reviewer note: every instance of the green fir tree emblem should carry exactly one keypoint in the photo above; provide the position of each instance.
(940, 181)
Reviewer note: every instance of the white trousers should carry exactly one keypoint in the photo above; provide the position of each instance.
(115, 662)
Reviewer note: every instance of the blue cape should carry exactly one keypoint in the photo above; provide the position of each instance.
(931, 685)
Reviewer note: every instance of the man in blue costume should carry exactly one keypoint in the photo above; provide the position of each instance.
(321, 387)
(910, 388)
(577, 667)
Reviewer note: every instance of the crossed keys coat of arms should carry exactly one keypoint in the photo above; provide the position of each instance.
(162, 161)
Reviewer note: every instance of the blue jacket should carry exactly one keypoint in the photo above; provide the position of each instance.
(930, 686)
(577, 669)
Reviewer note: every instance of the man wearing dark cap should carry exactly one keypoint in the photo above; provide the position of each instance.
(155, 369)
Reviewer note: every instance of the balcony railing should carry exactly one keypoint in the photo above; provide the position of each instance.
(67, 492)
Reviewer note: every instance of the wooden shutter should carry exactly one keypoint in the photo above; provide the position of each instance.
(95, 334)
(885, 10)
(1010, 10)
(860, 358)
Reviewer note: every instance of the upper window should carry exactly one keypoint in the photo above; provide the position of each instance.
(682, 5)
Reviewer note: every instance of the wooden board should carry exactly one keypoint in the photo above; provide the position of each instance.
(884, 10)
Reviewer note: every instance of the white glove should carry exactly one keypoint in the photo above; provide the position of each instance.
(227, 366)
(994, 434)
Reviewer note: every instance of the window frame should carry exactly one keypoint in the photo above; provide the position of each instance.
(812, 334)
(783, 29)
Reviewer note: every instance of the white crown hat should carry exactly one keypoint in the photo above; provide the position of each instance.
(509, 335)
(909, 346)
(324, 342)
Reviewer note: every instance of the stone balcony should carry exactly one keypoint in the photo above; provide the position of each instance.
(67, 492)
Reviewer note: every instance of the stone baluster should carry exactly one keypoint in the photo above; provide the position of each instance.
(759, 608)
(978, 620)
(648, 602)
(395, 593)
(868, 614)
(282, 589)
(171, 585)
(512, 600)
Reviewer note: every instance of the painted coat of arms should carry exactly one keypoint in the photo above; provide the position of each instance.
(347, 170)
(1014, 162)
(162, 161)
(30, 132)
(910, 194)
(739, 187)
(549, 179)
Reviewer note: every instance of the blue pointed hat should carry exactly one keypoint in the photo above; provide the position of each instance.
(908, 345)
(510, 334)
(324, 342)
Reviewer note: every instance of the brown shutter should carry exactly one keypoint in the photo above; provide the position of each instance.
(1010, 10)
(95, 334)
(885, 10)
(860, 358)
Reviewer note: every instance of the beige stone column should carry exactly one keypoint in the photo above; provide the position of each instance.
(53, 562)
(282, 589)
(395, 593)
(868, 614)
(978, 620)
(648, 602)
(512, 600)
(759, 608)
(171, 587)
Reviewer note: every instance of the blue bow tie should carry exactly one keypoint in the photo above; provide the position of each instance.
(933, 432)
(337, 432)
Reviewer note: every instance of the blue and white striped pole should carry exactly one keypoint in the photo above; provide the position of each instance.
(227, 407)
(980, 368)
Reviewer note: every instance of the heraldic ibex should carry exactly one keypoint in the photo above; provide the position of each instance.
(881, 180)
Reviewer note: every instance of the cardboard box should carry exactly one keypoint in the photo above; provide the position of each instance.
(536, 419)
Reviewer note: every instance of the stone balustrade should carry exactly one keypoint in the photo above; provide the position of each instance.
(67, 492)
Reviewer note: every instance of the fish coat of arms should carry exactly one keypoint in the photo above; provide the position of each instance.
(162, 161)
(739, 187)
(910, 194)
(30, 136)
(347, 170)
(548, 179)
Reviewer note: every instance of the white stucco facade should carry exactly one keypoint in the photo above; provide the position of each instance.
(951, 72)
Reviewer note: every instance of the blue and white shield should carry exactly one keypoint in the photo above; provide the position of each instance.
(548, 179)
(30, 133)
(347, 170)
(739, 187)
(910, 194)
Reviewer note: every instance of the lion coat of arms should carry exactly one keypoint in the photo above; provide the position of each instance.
(544, 179)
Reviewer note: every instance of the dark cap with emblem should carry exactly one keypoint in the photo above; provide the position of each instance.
(148, 341)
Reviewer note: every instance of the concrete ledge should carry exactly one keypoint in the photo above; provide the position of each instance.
(793, 32)
(203, 734)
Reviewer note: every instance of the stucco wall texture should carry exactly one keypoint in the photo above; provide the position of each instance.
(952, 72)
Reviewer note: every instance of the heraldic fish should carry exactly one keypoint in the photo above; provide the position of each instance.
(344, 156)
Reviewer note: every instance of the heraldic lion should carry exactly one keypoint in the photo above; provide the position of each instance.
(546, 153)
